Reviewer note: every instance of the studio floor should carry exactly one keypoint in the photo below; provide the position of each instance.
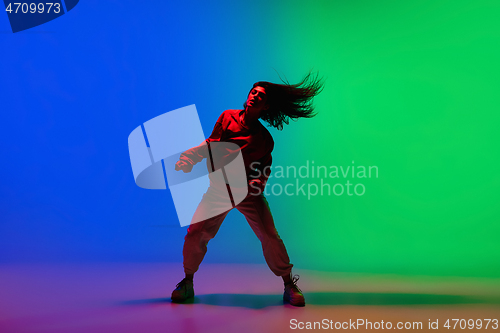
(135, 297)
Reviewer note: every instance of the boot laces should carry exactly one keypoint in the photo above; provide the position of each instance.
(183, 282)
(295, 278)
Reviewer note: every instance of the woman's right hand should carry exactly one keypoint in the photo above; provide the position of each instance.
(184, 166)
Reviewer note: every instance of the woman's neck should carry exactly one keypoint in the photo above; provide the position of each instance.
(248, 119)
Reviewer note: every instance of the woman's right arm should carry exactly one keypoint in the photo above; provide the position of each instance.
(194, 155)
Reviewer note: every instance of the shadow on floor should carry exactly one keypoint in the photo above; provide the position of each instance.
(326, 298)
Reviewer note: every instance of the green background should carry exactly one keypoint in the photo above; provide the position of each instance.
(413, 88)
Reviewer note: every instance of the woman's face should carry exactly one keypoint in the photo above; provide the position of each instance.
(256, 100)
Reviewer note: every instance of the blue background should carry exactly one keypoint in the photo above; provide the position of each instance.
(74, 88)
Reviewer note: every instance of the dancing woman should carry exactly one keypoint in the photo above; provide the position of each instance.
(275, 104)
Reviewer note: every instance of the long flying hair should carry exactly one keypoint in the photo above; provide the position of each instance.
(290, 101)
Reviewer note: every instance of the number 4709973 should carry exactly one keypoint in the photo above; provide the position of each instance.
(471, 323)
(33, 7)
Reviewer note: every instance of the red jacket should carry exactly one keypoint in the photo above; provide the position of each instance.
(256, 145)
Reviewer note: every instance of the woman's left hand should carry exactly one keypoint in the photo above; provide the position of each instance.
(256, 187)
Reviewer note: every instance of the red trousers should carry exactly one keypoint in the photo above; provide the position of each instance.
(256, 211)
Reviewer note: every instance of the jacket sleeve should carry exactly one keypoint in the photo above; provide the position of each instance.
(198, 153)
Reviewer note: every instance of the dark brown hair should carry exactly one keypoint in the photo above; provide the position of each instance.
(289, 101)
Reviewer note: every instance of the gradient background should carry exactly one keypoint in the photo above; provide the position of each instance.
(411, 87)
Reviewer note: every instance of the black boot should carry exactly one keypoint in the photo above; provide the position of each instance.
(293, 294)
(183, 291)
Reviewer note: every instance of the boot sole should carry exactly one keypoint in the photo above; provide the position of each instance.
(299, 304)
(189, 299)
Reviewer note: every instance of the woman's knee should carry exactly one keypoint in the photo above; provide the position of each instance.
(194, 231)
(269, 235)
(198, 232)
